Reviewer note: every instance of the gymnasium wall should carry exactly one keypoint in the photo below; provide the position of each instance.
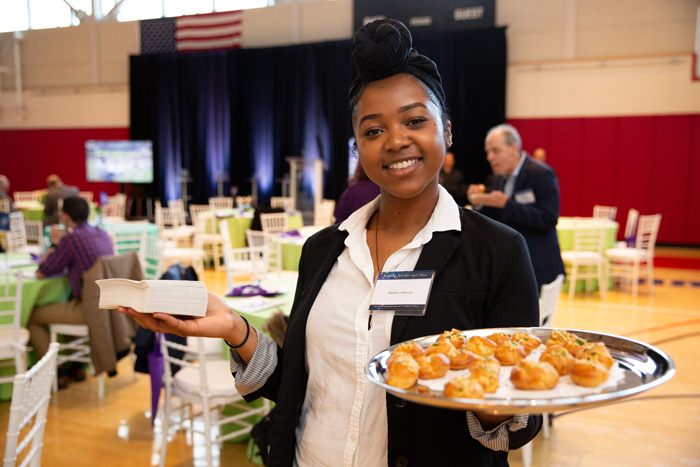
(649, 163)
(29, 156)
(599, 84)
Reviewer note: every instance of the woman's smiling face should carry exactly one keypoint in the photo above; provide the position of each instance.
(400, 136)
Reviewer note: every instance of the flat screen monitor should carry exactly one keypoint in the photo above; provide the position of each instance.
(119, 161)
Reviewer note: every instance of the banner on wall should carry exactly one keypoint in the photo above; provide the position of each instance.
(422, 16)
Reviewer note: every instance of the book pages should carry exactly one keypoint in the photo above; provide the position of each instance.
(187, 298)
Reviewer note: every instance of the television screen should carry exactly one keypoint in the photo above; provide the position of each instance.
(119, 161)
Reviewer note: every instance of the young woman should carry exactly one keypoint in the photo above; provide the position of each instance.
(327, 413)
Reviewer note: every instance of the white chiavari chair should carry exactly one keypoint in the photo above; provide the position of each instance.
(221, 202)
(272, 245)
(323, 213)
(275, 222)
(151, 258)
(128, 236)
(196, 209)
(13, 337)
(116, 207)
(86, 195)
(29, 407)
(626, 262)
(243, 265)
(604, 212)
(283, 202)
(17, 236)
(169, 222)
(78, 347)
(588, 253)
(204, 383)
(211, 239)
(549, 297)
(25, 196)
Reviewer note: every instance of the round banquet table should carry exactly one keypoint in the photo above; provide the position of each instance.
(239, 225)
(565, 234)
(291, 247)
(259, 318)
(35, 292)
(32, 210)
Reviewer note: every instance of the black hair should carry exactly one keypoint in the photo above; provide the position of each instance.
(77, 209)
(384, 48)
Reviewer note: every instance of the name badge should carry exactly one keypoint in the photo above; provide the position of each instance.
(405, 293)
(525, 197)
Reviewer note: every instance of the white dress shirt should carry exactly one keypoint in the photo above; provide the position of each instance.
(510, 179)
(343, 418)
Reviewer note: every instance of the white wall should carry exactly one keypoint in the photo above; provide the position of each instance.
(599, 57)
(566, 58)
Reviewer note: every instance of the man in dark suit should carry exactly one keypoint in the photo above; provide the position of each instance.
(524, 196)
(57, 190)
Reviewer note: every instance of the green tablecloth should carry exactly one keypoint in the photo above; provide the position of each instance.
(291, 254)
(35, 292)
(35, 211)
(238, 226)
(34, 214)
(258, 320)
(565, 234)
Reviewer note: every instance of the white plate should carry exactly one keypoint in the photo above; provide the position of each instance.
(644, 367)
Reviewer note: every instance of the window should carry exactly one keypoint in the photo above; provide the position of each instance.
(45, 14)
(20, 15)
(14, 17)
(132, 10)
(229, 5)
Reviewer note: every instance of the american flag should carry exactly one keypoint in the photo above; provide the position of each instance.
(213, 31)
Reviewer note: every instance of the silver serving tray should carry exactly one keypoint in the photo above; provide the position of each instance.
(645, 367)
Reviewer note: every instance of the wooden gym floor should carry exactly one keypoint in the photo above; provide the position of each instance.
(658, 428)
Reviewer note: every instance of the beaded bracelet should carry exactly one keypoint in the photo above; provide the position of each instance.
(244, 340)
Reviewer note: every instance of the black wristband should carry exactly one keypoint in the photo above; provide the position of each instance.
(247, 334)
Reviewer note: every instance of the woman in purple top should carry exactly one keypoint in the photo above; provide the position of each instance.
(361, 191)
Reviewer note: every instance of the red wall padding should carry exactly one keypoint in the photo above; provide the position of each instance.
(650, 163)
(27, 157)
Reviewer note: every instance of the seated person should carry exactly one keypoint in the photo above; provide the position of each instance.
(56, 190)
(4, 186)
(76, 248)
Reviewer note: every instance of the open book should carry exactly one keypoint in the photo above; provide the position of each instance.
(172, 297)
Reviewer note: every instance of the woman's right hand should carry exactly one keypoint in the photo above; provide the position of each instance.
(219, 321)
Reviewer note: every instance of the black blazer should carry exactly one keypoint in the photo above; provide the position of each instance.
(537, 221)
(483, 279)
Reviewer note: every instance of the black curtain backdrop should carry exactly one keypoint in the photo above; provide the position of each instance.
(243, 111)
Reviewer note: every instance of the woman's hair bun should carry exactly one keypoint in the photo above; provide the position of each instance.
(382, 49)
